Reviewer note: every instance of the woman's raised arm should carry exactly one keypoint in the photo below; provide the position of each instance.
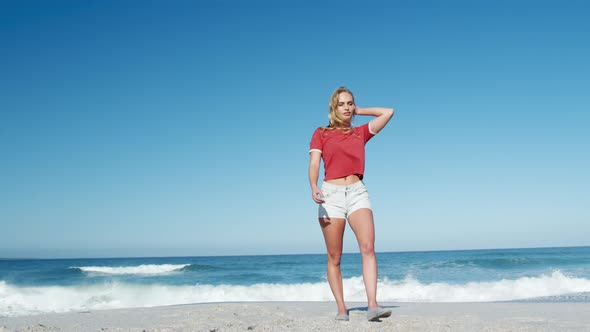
(382, 114)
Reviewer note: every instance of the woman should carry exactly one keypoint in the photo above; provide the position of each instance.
(343, 195)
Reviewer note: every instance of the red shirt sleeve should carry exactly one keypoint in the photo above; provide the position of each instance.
(316, 141)
(365, 132)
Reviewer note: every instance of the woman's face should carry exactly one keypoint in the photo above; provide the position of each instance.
(345, 105)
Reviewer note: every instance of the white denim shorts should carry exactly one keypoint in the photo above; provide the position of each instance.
(341, 201)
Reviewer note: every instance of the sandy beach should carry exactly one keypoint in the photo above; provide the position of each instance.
(315, 316)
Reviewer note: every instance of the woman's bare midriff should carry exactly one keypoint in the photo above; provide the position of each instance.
(344, 181)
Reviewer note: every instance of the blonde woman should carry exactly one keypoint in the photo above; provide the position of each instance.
(343, 196)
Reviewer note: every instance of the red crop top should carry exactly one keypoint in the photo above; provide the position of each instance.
(343, 154)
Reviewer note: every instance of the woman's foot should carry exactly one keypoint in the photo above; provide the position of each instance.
(342, 317)
(379, 312)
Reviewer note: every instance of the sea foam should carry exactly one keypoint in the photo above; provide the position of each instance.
(18, 300)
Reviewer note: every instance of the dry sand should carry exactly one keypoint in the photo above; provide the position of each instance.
(315, 316)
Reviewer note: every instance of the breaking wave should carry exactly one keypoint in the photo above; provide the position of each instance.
(20, 300)
(144, 269)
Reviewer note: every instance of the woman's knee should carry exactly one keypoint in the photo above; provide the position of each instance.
(367, 249)
(334, 257)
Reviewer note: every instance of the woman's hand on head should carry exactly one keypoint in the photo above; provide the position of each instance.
(358, 110)
(317, 195)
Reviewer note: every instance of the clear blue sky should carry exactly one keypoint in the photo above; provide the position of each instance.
(142, 128)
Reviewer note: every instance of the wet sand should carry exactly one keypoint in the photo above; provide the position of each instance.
(315, 316)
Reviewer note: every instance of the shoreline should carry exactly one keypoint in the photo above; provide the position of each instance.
(315, 316)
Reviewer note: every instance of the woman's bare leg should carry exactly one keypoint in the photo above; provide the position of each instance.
(333, 229)
(361, 222)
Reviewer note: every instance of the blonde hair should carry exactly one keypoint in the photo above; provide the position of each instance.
(336, 121)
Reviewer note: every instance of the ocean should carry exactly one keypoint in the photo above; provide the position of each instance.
(33, 286)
